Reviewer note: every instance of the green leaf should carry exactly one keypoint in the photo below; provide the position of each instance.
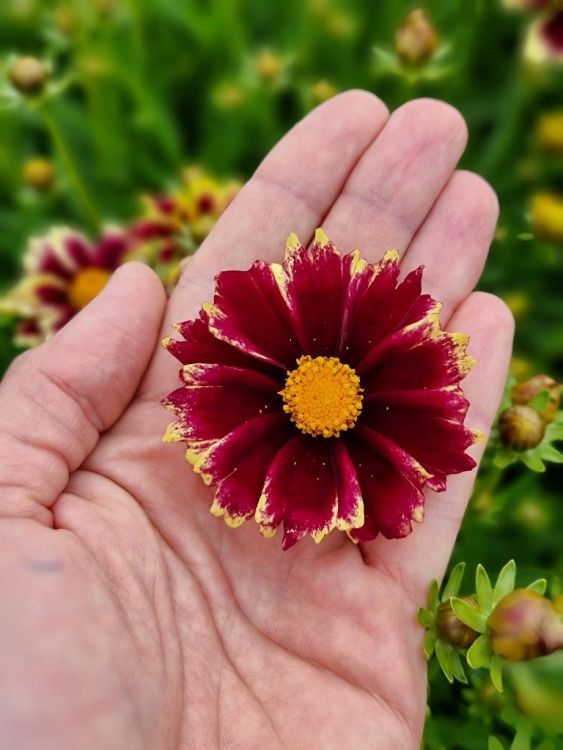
(469, 615)
(550, 453)
(539, 586)
(454, 582)
(444, 654)
(540, 401)
(457, 668)
(428, 643)
(555, 431)
(433, 598)
(425, 617)
(495, 744)
(533, 461)
(479, 653)
(504, 458)
(484, 589)
(496, 672)
(505, 582)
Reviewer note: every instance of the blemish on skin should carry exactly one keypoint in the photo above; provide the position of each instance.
(44, 566)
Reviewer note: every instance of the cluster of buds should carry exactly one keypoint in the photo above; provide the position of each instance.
(495, 624)
(525, 423)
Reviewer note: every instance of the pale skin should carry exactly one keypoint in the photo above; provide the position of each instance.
(132, 618)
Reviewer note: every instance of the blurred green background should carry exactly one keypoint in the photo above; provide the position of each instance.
(142, 87)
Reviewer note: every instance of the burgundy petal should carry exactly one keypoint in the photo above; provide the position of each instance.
(51, 294)
(250, 313)
(300, 490)
(391, 501)
(111, 250)
(205, 374)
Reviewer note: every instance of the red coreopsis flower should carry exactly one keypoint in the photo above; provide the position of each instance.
(321, 394)
(63, 272)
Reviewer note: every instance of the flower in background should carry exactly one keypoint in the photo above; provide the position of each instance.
(546, 215)
(544, 39)
(339, 392)
(174, 226)
(549, 131)
(323, 90)
(269, 66)
(525, 4)
(38, 173)
(28, 75)
(416, 39)
(229, 95)
(63, 272)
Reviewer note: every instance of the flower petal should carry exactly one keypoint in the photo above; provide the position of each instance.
(391, 501)
(350, 504)
(111, 250)
(208, 374)
(250, 313)
(300, 490)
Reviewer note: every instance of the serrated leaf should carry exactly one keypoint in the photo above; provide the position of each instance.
(496, 672)
(433, 598)
(540, 401)
(550, 453)
(425, 617)
(533, 461)
(505, 582)
(495, 744)
(457, 668)
(539, 586)
(444, 654)
(454, 582)
(483, 588)
(469, 615)
(479, 652)
(428, 643)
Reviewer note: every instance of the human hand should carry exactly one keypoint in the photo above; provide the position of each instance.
(131, 618)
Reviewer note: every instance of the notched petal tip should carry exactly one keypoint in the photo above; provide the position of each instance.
(219, 511)
(292, 244)
(321, 238)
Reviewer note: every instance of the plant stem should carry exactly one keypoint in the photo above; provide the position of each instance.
(90, 209)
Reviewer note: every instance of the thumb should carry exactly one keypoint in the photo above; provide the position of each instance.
(57, 399)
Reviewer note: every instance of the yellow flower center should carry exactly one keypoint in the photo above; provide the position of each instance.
(322, 396)
(86, 285)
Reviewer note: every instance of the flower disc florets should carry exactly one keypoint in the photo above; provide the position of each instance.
(321, 394)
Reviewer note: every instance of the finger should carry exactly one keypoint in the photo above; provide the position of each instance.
(453, 242)
(425, 553)
(397, 180)
(291, 191)
(56, 400)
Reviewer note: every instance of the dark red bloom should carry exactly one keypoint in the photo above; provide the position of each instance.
(321, 393)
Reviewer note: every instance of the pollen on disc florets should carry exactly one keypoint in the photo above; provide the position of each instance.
(323, 396)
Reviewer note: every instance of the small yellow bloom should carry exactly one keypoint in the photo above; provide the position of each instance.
(416, 39)
(518, 303)
(340, 25)
(546, 214)
(39, 173)
(269, 66)
(229, 95)
(549, 130)
(323, 90)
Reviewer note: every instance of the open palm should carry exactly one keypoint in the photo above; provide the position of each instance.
(130, 617)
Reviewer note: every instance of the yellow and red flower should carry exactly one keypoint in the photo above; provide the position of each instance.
(63, 272)
(321, 393)
(544, 40)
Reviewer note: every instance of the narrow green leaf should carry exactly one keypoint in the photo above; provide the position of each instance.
(457, 668)
(495, 744)
(505, 582)
(550, 453)
(484, 589)
(540, 401)
(539, 586)
(524, 732)
(433, 598)
(479, 653)
(444, 654)
(496, 672)
(469, 615)
(454, 582)
(428, 643)
(533, 462)
(425, 617)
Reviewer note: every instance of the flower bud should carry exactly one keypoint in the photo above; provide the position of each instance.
(451, 628)
(524, 625)
(269, 66)
(416, 39)
(524, 393)
(28, 75)
(39, 173)
(521, 428)
(323, 90)
(546, 215)
(549, 131)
